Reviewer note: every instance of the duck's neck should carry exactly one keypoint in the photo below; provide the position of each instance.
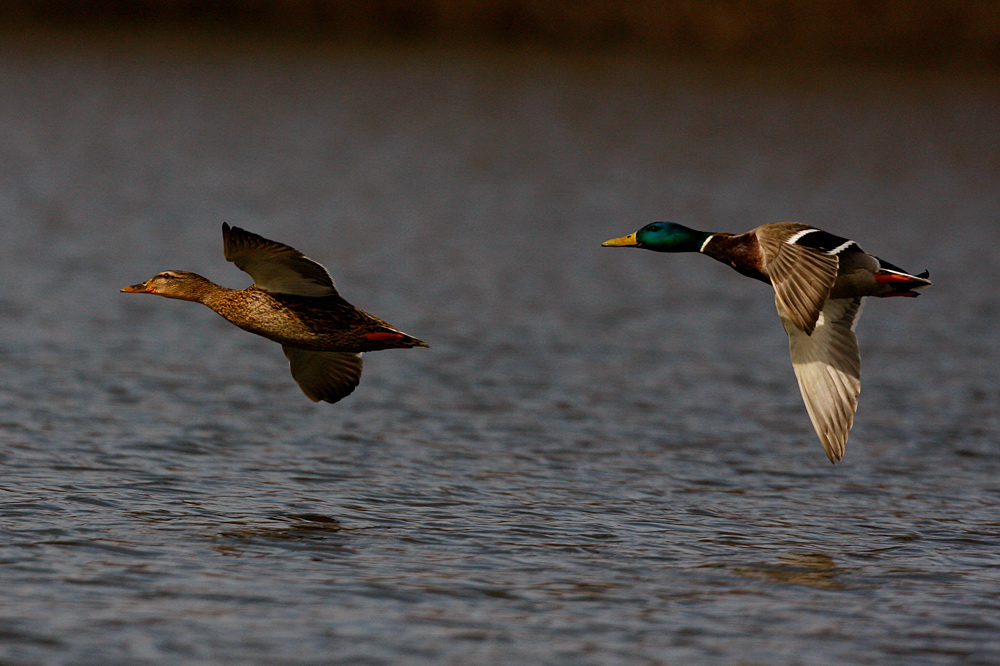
(215, 296)
(741, 252)
(201, 290)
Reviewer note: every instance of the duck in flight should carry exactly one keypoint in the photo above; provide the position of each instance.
(819, 280)
(293, 301)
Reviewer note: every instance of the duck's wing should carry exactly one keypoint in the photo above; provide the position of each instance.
(275, 268)
(328, 376)
(802, 264)
(828, 367)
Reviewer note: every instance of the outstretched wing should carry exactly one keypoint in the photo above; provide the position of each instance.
(828, 367)
(328, 376)
(275, 268)
(802, 264)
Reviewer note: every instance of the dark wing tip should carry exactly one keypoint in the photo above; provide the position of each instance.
(245, 236)
(235, 239)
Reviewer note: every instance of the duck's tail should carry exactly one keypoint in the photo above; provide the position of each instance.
(394, 339)
(899, 282)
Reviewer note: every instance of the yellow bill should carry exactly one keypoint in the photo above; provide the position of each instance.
(624, 241)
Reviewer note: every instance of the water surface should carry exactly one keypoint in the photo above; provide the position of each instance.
(602, 459)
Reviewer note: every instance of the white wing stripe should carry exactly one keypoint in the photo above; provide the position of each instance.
(840, 248)
(791, 240)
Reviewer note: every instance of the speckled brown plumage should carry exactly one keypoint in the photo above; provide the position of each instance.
(324, 323)
(293, 302)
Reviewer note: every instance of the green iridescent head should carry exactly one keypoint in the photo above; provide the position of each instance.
(663, 237)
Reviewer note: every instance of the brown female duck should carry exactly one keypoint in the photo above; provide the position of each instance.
(819, 280)
(294, 302)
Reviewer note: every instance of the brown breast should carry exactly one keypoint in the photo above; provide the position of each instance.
(742, 252)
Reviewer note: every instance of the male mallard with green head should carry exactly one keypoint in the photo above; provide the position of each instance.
(294, 302)
(819, 280)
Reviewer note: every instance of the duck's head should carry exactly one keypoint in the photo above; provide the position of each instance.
(662, 237)
(173, 284)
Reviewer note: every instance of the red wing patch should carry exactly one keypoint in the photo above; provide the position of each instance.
(384, 336)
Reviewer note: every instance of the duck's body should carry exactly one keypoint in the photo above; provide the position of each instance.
(313, 323)
(293, 302)
(819, 280)
(795, 250)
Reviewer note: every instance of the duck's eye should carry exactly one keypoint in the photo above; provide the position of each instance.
(166, 276)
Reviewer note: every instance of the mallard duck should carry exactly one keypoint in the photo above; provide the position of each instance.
(294, 302)
(819, 280)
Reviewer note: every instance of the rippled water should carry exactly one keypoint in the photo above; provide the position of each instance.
(602, 459)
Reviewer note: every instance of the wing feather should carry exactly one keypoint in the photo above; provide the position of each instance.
(802, 276)
(275, 268)
(327, 376)
(827, 365)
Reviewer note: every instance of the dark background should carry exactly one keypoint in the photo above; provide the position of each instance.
(889, 30)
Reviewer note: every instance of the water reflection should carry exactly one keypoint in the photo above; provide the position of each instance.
(812, 569)
(308, 530)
